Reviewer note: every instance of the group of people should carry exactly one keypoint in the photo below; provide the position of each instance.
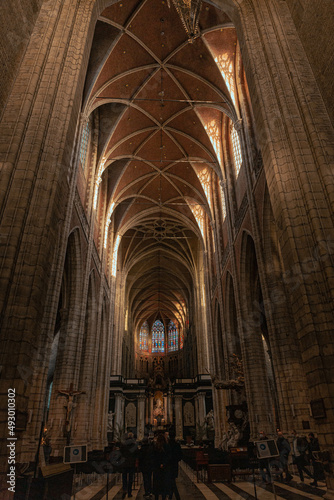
(303, 454)
(157, 459)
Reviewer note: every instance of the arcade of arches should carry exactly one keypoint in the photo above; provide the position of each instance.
(166, 220)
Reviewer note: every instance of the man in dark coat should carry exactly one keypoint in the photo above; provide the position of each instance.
(161, 469)
(313, 446)
(129, 452)
(175, 457)
(284, 449)
(299, 448)
(146, 465)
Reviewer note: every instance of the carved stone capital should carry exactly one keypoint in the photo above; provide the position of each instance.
(238, 125)
(83, 118)
(223, 184)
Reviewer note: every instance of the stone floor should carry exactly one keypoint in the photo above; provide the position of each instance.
(190, 489)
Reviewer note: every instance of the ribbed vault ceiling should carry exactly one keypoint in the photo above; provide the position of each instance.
(155, 93)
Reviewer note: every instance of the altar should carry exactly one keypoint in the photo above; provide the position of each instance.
(145, 406)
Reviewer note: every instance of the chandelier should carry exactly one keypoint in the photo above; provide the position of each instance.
(189, 11)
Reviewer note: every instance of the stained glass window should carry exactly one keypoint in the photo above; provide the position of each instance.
(222, 195)
(205, 179)
(114, 256)
(158, 337)
(181, 341)
(225, 64)
(84, 144)
(173, 337)
(197, 211)
(49, 395)
(236, 150)
(212, 129)
(143, 337)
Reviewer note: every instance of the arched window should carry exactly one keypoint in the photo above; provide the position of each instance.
(173, 337)
(223, 201)
(158, 337)
(143, 337)
(84, 144)
(236, 150)
(49, 396)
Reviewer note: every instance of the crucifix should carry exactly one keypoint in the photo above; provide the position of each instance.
(70, 393)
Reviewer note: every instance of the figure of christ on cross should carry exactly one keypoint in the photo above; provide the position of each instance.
(70, 393)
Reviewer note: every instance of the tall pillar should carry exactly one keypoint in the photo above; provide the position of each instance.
(220, 398)
(151, 410)
(169, 408)
(119, 415)
(217, 417)
(147, 410)
(141, 416)
(201, 415)
(178, 417)
(166, 409)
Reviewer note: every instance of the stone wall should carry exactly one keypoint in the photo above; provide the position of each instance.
(314, 23)
(17, 20)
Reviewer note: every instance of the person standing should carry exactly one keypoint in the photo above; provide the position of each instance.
(161, 459)
(313, 446)
(146, 465)
(129, 452)
(299, 448)
(284, 449)
(175, 457)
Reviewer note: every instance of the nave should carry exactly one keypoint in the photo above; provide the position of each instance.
(190, 489)
(167, 233)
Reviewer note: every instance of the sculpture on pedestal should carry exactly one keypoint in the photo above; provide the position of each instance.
(210, 421)
(110, 424)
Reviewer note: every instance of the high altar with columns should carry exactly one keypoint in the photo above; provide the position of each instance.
(144, 406)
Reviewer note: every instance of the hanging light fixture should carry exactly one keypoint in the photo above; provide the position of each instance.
(189, 11)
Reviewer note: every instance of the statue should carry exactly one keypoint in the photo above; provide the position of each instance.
(110, 424)
(234, 436)
(237, 383)
(223, 444)
(158, 410)
(70, 393)
(210, 420)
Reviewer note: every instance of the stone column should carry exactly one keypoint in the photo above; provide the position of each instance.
(166, 409)
(221, 424)
(119, 414)
(169, 408)
(178, 417)
(147, 410)
(151, 410)
(141, 416)
(217, 417)
(201, 414)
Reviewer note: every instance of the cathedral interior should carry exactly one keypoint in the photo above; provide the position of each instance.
(167, 229)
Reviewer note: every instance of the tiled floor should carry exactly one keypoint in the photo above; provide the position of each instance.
(189, 489)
